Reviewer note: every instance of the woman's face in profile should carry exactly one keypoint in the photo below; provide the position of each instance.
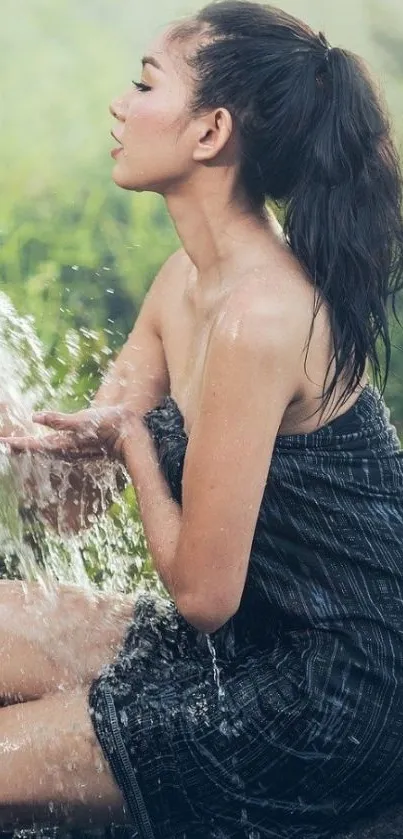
(153, 151)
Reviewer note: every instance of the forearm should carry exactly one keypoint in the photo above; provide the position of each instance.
(160, 514)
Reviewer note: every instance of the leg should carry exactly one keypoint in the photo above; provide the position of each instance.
(57, 638)
(52, 769)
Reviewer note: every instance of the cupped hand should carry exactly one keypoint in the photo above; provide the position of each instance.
(92, 432)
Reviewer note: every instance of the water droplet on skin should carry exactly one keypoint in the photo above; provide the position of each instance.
(7, 746)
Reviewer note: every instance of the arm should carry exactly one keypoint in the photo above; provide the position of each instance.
(202, 551)
(139, 377)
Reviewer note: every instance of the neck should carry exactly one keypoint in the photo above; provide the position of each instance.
(215, 233)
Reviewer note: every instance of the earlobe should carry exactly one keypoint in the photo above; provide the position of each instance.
(216, 131)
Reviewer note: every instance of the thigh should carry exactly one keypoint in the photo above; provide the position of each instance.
(52, 769)
(52, 638)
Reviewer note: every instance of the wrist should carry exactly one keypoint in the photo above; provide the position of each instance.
(132, 425)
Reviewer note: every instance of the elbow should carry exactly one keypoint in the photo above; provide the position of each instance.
(206, 615)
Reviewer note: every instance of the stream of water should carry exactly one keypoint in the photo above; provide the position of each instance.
(111, 553)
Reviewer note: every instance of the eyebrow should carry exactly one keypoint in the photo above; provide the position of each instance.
(148, 59)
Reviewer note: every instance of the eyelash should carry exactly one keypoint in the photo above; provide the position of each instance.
(142, 87)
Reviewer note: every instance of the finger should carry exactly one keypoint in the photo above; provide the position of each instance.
(83, 424)
(21, 444)
(50, 448)
(55, 419)
(50, 444)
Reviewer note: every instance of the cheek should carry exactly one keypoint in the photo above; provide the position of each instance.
(142, 118)
(153, 118)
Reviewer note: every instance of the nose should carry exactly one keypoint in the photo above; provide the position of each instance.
(118, 108)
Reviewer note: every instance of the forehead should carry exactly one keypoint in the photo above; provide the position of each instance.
(165, 53)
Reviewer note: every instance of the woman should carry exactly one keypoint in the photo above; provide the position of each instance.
(264, 698)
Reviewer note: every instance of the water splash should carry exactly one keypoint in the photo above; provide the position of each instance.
(216, 669)
(110, 554)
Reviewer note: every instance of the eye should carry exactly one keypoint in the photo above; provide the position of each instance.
(142, 87)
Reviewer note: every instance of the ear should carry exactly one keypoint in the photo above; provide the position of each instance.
(214, 132)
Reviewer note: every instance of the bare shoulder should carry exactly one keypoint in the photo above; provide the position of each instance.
(272, 313)
(167, 284)
(284, 318)
(177, 261)
(175, 266)
(254, 347)
(266, 312)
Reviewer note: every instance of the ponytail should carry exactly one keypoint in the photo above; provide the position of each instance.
(314, 139)
(343, 220)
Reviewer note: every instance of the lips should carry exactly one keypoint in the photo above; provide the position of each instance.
(115, 152)
(116, 138)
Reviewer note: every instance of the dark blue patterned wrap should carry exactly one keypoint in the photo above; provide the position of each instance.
(289, 725)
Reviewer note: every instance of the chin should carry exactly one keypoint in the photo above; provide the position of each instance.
(123, 183)
(133, 186)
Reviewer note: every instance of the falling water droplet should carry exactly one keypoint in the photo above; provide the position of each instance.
(216, 669)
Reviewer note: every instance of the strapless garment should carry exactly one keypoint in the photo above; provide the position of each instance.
(287, 721)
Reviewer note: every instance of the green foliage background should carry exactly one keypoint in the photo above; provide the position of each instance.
(75, 251)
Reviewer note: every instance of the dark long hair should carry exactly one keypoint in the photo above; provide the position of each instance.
(315, 139)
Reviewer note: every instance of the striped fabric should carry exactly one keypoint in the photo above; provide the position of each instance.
(288, 722)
